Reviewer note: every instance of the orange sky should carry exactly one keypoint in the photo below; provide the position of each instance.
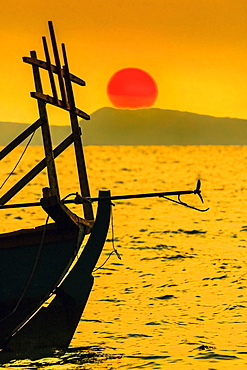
(195, 50)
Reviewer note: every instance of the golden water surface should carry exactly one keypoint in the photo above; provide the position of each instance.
(177, 298)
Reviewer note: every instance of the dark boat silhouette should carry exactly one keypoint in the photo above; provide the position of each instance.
(33, 262)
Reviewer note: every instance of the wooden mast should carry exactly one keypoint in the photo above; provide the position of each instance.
(51, 170)
(76, 131)
(68, 100)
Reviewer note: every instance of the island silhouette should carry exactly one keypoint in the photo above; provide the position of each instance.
(152, 126)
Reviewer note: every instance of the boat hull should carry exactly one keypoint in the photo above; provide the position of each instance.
(54, 326)
(32, 263)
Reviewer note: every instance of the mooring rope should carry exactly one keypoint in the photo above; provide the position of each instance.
(113, 238)
(11, 173)
(113, 247)
(31, 275)
(69, 195)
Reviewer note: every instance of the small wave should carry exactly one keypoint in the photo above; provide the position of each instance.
(153, 247)
(215, 356)
(178, 257)
(179, 231)
(204, 347)
(167, 285)
(175, 257)
(235, 307)
(114, 300)
(136, 335)
(191, 232)
(137, 241)
(152, 323)
(165, 297)
(148, 357)
(216, 278)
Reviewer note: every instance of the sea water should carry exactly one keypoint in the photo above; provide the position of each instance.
(177, 297)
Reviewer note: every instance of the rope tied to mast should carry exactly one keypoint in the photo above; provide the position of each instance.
(19, 160)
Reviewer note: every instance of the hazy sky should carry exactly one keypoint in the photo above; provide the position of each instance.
(196, 50)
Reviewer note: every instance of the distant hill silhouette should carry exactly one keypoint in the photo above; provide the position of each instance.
(110, 126)
(9, 130)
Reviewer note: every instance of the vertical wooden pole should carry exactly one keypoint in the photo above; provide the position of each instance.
(58, 64)
(81, 166)
(48, 61)
(52, 176)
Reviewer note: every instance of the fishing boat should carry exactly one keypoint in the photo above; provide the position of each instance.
(45, 277)
(33, 262)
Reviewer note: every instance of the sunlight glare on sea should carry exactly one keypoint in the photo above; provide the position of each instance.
(177, 297)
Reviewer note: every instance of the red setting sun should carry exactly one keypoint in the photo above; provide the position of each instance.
(132, 88)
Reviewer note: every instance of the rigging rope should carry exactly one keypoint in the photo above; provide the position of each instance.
(113, 247)
(11, 173)
(69, 195)
(31, 275)
(113, 238)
